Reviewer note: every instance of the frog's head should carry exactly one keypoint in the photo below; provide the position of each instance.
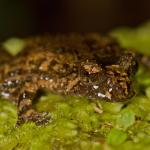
(112, 82)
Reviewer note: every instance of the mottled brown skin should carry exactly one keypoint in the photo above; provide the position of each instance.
(82, 65)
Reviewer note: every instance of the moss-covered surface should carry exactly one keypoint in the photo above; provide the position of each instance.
(82, 124)
(137, 38)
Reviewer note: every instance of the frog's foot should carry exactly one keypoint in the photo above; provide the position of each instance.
(33, 116)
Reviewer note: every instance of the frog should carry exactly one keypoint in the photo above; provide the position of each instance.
(83, 65)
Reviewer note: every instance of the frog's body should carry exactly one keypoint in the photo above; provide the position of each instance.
(83, 65)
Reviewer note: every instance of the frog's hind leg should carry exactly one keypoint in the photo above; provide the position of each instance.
(27, 113)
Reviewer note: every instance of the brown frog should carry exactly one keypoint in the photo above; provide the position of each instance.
(72, 64)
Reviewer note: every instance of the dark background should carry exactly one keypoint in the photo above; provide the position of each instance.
(26, 17)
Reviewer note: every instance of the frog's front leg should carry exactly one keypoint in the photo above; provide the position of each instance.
(27, 113)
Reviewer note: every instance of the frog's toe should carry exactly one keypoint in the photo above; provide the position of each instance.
(39, 118)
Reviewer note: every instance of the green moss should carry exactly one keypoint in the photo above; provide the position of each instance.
(116, 137)
(125, 119)
(137, 38)
(148, 92)
(75, 124)
(14, 45)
